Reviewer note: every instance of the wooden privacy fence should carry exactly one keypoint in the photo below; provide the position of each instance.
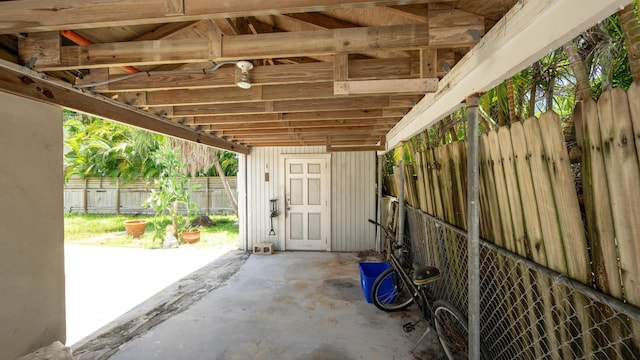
(106, 196)
(529, 206)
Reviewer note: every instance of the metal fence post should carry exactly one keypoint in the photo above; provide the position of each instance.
(474, 228)
(379, 204)
(400, 226)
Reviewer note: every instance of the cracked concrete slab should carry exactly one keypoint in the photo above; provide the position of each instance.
(169, 302)
(290, 305)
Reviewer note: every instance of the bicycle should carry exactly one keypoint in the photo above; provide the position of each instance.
(404, 283)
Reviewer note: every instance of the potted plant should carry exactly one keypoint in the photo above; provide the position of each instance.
(191, 235)
(135, 228)
(171, 191)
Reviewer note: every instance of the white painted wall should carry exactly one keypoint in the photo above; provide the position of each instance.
(352, 196)
(32, 288)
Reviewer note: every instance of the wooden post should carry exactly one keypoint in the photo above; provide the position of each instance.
(118, 196)
(206, 194)
(400, 224)
(84, 196)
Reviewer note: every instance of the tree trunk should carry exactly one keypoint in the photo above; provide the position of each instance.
(174, 219)
(535, 73)
(550, 89)
(511, 98)
(631, 31)
(583, 86)
(227, 188)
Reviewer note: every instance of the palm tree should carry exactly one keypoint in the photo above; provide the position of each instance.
(630, 23)
(199, 158)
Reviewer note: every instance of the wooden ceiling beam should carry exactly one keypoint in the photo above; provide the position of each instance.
(397, 86)
(335, 139)
(167, 31)
(320, 140)
(278, 93)
(326, 130)
(353, 115)
(259, 75)
(34, 15)
(290, 106)
(320, 21)
(302, 124)
(258, 46)
(30, 84)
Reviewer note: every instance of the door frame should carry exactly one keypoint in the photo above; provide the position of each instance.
(326, 189)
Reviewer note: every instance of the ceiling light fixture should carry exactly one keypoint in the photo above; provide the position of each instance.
(244, 66)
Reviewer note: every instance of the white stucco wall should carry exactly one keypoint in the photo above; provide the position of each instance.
(353, 192)
(32, 302)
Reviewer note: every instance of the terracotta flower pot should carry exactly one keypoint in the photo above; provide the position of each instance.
(191, 237)
(135, 228)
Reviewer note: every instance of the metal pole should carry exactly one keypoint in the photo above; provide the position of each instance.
(474, 228)
(379, 209)
(400, 227)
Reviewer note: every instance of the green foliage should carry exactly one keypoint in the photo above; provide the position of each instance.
(102, 148)
(107, 230)
(228, 162)
(605, 53)
(171, 190)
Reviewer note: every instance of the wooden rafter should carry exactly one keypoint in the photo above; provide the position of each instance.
(34, 15)
(258, 46)
(260, 75)
(23, 82)
(290, 106)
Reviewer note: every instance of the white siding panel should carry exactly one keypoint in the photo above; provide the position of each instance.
(353, 199)
(259, 191)
(352, 196)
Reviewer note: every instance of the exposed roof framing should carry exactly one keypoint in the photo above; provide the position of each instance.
(325, 72)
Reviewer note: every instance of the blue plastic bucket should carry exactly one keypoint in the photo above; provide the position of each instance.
(369, 272)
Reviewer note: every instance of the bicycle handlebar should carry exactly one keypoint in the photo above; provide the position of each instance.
(381, 227)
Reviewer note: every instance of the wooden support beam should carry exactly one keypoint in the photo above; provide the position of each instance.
(312, 116)
(340, 67)
(345, 148)
(534, 27)
(320, 21)
(290, 106)
(35, 15)
(44, 47)
(428, 63)
(258, 46)
(326, 130)
(260, 75)
(400, 86)
(269, 93)
(334, 146)
(290, 139)
(386, 123)
(32, 85)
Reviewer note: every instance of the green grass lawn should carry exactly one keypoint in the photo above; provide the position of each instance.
(108, 230)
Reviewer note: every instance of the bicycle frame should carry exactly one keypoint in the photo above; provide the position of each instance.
(417, 292)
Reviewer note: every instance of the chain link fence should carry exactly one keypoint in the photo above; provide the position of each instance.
(527, 311)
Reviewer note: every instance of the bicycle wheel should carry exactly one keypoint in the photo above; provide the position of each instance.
(453, 331)
(390, 293)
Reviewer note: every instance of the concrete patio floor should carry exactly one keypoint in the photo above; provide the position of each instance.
(97, 278)
(289, 305)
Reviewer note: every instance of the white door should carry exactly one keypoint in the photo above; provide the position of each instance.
(307, 219)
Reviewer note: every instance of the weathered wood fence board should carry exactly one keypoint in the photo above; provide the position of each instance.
(556, 259)
(104, 196)
(566, 199)
(529, 206)
(621, 165)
